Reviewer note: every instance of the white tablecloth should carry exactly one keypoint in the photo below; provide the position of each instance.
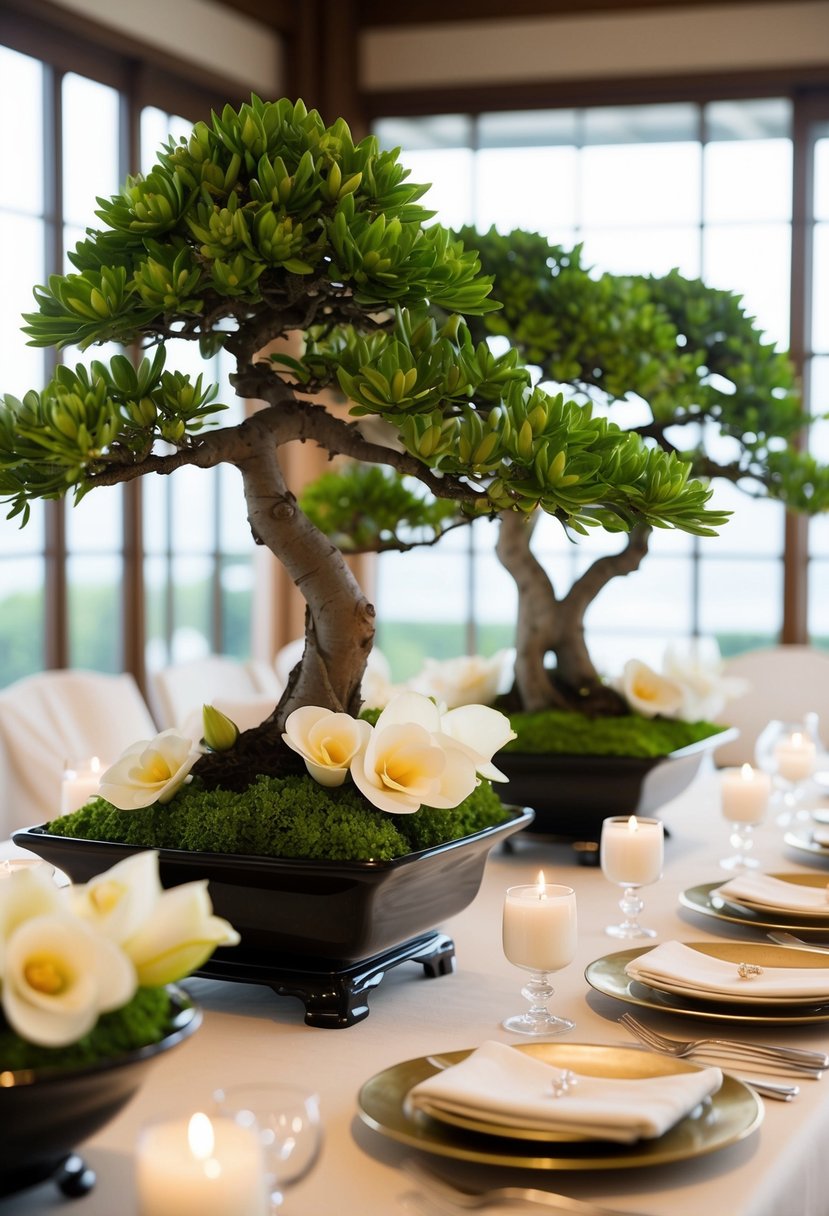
(251, 1034)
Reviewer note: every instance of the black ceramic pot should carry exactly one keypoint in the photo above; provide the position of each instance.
(46, 1113)
(296, 909)
(571, 795)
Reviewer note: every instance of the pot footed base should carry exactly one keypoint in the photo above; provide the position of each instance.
(335, 994)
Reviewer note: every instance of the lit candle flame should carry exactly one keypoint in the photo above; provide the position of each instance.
(540, 884)
(200, 1136)
(95, 765)
(746, 772)
(633, 826)
(797, 739)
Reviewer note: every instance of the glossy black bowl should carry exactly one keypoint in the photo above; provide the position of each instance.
(46, 1113)
(290, 909)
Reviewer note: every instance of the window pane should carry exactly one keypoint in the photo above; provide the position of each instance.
(630, 184)
(819, 602)
(237, 606)
(756, 526)
(643, 250)
(755, 261)
(95, 585)
(21, 252)
(503, 199)
(741, 601)
(21, 616)
(90, 120)
(450, 172)
(820, 302)
(822, 178)
(192, 608)
(192, 500)
(96, 523)
(21, 103)
(748, 180)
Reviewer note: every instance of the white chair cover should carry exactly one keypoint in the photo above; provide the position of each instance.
(55, 716)
(181, 690)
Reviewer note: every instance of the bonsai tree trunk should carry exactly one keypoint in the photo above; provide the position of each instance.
(339, 620)
(547, 624)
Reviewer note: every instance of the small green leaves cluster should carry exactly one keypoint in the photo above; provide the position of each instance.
(87, 419)
(462, 410)
(368, 508)
(228, 219)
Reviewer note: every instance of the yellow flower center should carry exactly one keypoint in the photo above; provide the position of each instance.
(157, 770)
(105, 895)
(46, 975)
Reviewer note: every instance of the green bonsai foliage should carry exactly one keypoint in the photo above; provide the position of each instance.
(263, 224)
(703, 374)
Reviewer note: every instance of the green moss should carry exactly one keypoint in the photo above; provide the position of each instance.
(145, 1019)
(560, 731)
(282, 817)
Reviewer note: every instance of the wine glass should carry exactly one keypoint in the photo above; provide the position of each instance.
(744, 798)
(631, 853)
(539, 935)
(290, 1129)
(788, 752)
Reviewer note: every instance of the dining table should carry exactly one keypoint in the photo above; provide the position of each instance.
(249, 1033)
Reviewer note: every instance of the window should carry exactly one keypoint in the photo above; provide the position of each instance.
(72, 590)
(706, 188)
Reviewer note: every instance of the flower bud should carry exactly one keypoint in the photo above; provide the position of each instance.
(220, 733)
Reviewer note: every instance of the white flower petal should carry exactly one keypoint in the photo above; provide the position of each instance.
(390, 801)
(409, 709)
(180, 928)
(118, 901)
(649, 693)
(46, 1027)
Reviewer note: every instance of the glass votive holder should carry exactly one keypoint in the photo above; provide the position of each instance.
(744, 800)
(631, 853)
(200, 1163)
(539, 931)
(289, 1127)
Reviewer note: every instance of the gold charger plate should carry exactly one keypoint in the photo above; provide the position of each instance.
(607, 975)
(733, 1113)
(704, 899)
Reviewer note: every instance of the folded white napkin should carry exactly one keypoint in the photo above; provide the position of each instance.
(499, 1084)
(685, 969)
(764, 891)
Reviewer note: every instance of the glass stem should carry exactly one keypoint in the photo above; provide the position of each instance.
(631, 906)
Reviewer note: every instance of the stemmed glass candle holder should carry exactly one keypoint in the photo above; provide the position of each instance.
(539, 934)
(744, 796)
(287, 1119)
(788, 751)
(631, 852)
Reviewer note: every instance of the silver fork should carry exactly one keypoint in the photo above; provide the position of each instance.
(809, 1063)
(789, 939)
(454, 1198)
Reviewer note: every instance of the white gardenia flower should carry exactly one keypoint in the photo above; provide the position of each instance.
(119, 901)
(328, 742)
(466, 680)
(480, 731)
(180, 933)
(409, 761)
(58, 975)
(150, 771)
(648, 693)
(698, 671)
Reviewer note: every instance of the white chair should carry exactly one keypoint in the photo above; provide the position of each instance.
(52, 717)
(180, 691)
(784, 682)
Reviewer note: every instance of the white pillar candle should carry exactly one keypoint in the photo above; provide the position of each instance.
(539, 926)
(80, 783)
(794, 756)
(213, 1167)
(632, 850)
(745, 794)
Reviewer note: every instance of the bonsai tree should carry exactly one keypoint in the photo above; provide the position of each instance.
(266, 223)
(702, 374)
